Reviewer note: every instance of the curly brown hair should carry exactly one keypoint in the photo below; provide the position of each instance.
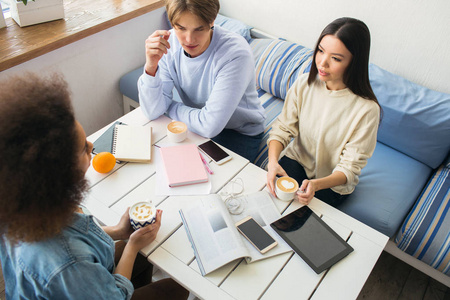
(41, 184)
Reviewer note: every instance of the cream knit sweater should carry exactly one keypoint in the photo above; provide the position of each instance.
(332, 130)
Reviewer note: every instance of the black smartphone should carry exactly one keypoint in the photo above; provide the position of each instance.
(255, 234)
(215, 152)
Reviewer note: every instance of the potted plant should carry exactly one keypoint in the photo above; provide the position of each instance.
(26, 12)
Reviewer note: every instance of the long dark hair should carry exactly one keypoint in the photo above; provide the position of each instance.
(355, 35)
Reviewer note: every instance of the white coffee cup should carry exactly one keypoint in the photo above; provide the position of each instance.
(177, 131)
(142, 214)
(285, 188)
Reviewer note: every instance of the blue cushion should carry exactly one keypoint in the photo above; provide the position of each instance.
(234, 26)
(272, 108)
(416, 120)
(278, 64)
(384, 206)
(425, 232)
(128, 84)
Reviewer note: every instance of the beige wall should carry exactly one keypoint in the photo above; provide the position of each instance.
(94, 65)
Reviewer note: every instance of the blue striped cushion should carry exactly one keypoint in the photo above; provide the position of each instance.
(278, 64)
(425, 232)
(272, 106)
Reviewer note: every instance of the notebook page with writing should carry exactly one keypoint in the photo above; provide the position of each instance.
(132, 143)
(182, 165)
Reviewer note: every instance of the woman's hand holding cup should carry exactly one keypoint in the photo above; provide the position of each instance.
(145, 235)
(123, 230)
(274, 169)
(156, 45)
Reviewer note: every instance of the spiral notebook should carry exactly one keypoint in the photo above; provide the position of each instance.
(104, 142)
(132, 143)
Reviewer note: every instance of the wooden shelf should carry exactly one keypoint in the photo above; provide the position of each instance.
(82, 18)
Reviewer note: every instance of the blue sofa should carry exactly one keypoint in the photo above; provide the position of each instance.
(404, 189)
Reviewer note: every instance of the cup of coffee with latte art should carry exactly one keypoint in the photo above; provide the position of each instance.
(142, 214)
(285, 188)
(177, 131)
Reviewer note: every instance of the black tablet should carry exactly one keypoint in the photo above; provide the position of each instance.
(311, 238)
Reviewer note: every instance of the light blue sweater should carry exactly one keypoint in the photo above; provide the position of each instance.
(218, 87)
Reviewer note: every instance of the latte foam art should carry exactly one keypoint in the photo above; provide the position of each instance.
(177, 127)
(287, 184)
(142, 212)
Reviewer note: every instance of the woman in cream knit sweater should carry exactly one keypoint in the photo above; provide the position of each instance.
(332, 114)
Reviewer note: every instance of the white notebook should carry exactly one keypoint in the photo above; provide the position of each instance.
(132, 143)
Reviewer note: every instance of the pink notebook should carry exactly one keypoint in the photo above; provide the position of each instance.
(183, 165)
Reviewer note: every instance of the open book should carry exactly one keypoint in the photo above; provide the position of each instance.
(213, 234)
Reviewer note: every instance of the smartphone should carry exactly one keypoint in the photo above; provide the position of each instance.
(255, 234)
(215, 152)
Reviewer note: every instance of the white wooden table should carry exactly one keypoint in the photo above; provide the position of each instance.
(285, 276)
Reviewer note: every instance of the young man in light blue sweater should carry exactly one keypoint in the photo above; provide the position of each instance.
(213, 72)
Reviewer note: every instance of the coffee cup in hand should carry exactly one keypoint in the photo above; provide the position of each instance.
(142, 214)
(285, 188)
(177, 131)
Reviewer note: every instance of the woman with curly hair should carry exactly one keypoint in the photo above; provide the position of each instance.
(49, 249)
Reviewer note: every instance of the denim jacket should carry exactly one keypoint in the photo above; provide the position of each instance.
(76, 264)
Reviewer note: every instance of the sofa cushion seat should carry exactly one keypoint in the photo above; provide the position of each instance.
(425, 232)
(384, 206)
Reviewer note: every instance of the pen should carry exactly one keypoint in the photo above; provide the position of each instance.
(206, 164)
